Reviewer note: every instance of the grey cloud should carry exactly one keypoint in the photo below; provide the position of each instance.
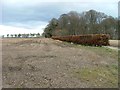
(43, 12)
(37, 13)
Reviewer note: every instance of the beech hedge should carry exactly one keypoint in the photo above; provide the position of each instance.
(89, 39)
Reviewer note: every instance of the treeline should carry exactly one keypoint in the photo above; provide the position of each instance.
(90, 22)
(22, 35)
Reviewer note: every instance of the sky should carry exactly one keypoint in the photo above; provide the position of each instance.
(32, 16)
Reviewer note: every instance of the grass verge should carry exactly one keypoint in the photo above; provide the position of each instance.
(106, 77)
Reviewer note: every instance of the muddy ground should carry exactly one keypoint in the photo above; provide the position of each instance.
(46, 63)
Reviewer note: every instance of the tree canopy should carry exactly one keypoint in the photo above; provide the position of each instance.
(89, 22)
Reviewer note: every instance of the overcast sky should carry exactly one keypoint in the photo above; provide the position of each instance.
(31, 16)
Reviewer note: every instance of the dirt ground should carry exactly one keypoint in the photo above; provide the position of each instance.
(47, 63)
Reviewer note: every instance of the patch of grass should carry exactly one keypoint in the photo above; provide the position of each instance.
(115, 67)
(102, 51)
(99, 76)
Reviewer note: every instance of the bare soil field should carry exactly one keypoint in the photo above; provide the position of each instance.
(47, 63)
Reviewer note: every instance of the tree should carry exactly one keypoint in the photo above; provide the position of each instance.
(7, 35)
(12, 35)
(109, 26)
(74, 19)
(19, 35)
(38, 34)
(15, 35)
(89, 22)
(49, 30)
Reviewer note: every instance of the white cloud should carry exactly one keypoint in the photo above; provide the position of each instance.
(28, 24)
(42, 2)
(33, 8)
(36, 1)
(4, 30)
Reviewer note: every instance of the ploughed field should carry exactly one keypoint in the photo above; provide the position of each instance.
(47, 63)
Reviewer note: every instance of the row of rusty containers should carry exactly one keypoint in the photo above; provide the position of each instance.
(89, 39)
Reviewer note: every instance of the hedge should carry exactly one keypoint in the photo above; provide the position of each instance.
(89, 39)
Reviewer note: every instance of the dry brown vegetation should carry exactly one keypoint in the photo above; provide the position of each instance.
(47, 63)
(88, 39)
